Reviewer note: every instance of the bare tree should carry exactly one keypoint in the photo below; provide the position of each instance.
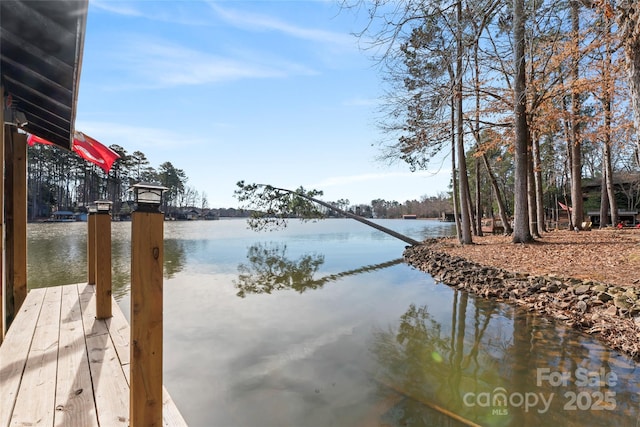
(521, 231)
(628, 14)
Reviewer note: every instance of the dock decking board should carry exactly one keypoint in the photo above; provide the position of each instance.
(75, 406)
(59, 365)
(14, 351)
(36, 396)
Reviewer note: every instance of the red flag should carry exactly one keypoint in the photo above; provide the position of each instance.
(87, 148)
(32, 139)
(91, 150)
(564, 207)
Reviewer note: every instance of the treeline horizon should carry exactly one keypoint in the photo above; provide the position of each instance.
(60, 180)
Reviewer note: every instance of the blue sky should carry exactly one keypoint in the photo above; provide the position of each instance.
(275, 92)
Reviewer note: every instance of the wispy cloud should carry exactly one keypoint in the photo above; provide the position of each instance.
(160, 63)
(260, 22)
(148, 11)
(138, 137)
(118, 8)
(186, 59)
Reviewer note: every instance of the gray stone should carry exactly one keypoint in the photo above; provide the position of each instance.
(553, 288)
(621, 302)
(600, 288)
(611, 311)
(604, 297)
(582, 289)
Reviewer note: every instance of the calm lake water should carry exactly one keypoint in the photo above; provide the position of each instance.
(321, 324)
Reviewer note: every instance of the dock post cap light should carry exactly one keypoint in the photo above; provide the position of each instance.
(92, 208)
(103, 206)
(148, 196)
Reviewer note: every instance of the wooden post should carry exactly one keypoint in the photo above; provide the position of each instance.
(91, 248)
(103, 264)
(145, 400)
(2, 282)
(15, 222)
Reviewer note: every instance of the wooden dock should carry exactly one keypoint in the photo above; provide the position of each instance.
(60, 366)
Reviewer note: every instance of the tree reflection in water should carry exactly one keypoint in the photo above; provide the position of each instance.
(421, 361)
(269, 269)
(488, 351)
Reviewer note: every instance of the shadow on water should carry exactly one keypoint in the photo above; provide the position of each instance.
(495, 365)
(270, 269)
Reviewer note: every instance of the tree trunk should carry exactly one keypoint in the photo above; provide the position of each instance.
(607, 169)
(478, 221)
(576, 145)
(472, 216)
(465, 237)
(454, 174)
(531, 195)
(604, 197)
(476, 133)
(611, 196)
(521, 231)
(537, 177)
(502, 212)
(358, 218)
(629, 29)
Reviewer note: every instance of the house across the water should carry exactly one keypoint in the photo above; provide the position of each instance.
(62, 216)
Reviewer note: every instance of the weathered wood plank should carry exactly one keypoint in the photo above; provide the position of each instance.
(36, 397)
(74, 394)
(146, 318)
(103, 264)
(14, 351)
(84, 288)
(2, 242)
(46, 343)
(110, 387)
(91, 248)
(92, 326)
(171, 416)
(16, 221)
(120, 333)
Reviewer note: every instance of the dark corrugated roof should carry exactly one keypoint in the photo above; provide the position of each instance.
(41, 45)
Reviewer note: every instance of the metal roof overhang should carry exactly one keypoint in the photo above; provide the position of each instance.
(41, 44)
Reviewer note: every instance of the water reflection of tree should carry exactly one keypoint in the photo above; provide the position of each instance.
(174, 257)
(499, 347)
(270, 269)
(539, 343)
(422, 361)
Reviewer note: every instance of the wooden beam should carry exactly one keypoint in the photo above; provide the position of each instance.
(103, 264)
(91, 248)
(2, 282)
(16, 222)
(147, 234)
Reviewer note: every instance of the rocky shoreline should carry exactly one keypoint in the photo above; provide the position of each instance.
(609, 312)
